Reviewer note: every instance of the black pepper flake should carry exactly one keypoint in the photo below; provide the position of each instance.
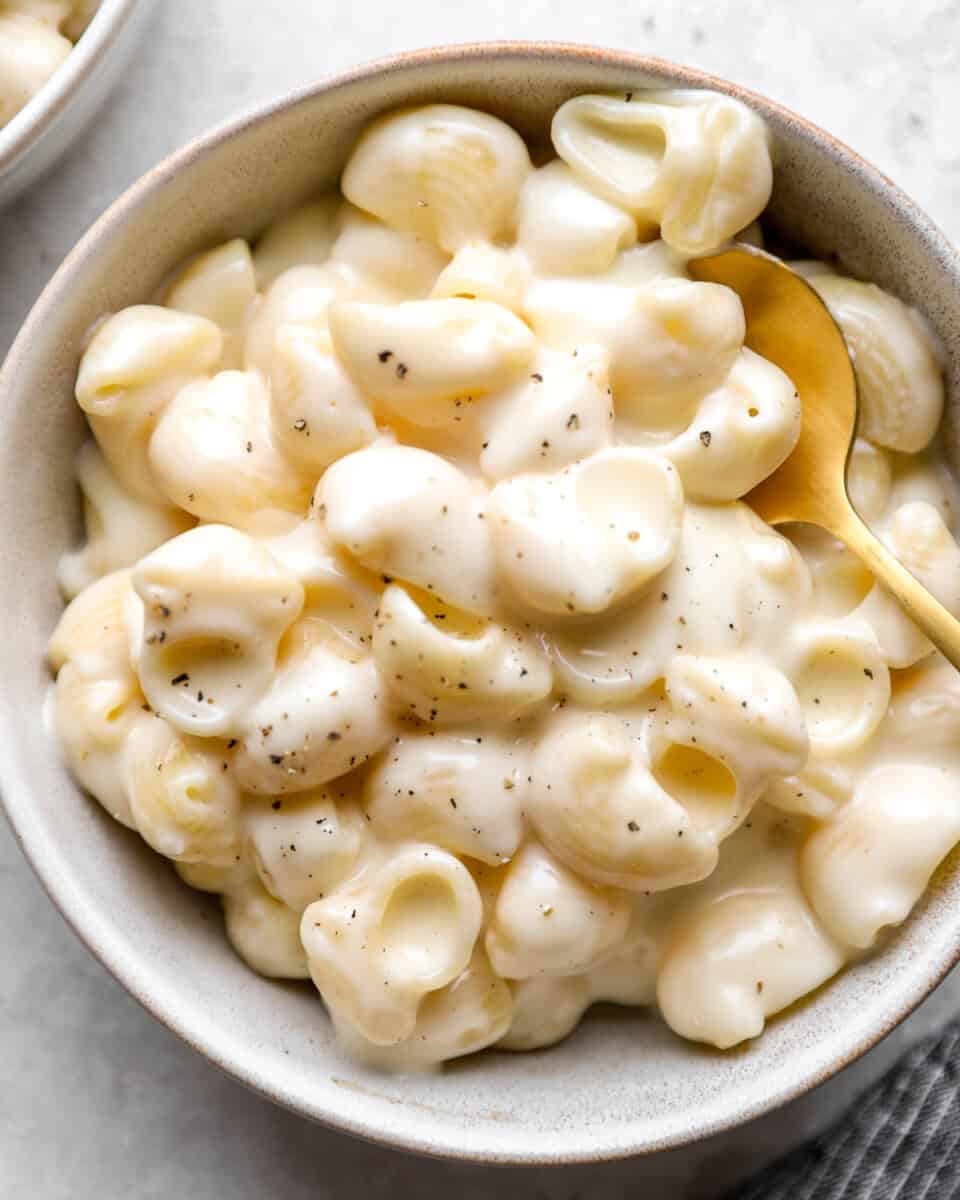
(276, 759)
(664, 596)
(462, 686)
(402, 369)
(537, 377)
(231, 743)
(385, 355)
(300, 425)
(573, 421)
(628, 97)
(705, 437)
(453, 803)
(183, 677)
(333, 736)
(276, 805)
(249, 447)
(633, 827)
(868, 672)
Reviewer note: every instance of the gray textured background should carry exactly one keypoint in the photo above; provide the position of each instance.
(96, 1099)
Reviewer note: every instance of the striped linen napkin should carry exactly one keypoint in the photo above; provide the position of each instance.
(901, 1141)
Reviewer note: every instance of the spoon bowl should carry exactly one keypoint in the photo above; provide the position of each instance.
(788, 324)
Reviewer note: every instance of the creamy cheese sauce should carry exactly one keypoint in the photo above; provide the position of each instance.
(421, 617)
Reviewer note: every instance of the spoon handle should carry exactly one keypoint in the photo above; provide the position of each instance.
(920, 605)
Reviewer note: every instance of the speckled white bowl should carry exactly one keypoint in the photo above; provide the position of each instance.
(46, 126)
(622, 1084)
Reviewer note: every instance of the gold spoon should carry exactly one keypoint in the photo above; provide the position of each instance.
(790, 325)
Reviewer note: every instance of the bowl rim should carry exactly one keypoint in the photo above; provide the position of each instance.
(43, 108)
(96, 933)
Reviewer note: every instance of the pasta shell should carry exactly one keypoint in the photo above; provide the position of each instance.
(596, 806)
(867, 867)
(897, 360)
(582, 540)
(670, 341)
(30, 52)
(566, 229)
(405, 265)
(318, 413)
(559, 413)
(445, 669)
(135, 364)
(841, 680)
(546, 1009)
(213, 452)
(185, 805)
(424, 360)
(484, 272)
(411, 515)
(452, 791)
(264, 932)
(301, 238)
(215, 607)
(219, 285)
(306, 845)
(465, 1016)
(547, 921)
(741, 432)
(696, 163)
(366, 943)
(121, 528)
(869, 480)
(447, 173)
(324, 714)
(738, 961)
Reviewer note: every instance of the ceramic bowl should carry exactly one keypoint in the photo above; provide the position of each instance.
(47, 125)
(622, 1084)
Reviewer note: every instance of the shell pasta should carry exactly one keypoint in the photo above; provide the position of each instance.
(423, 617)
(36, 36)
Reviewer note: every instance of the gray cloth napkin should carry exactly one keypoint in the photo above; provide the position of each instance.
(901, 1141)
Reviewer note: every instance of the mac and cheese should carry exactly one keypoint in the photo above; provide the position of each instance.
(423, 616)
(35, 38)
